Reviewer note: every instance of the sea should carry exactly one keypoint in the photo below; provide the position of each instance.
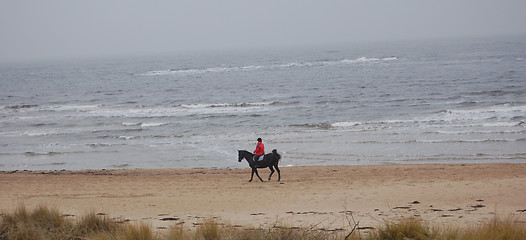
(444, 101)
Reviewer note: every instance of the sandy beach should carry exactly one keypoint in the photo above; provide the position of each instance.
(324, 196)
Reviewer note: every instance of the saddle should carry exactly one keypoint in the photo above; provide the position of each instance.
(260, 158)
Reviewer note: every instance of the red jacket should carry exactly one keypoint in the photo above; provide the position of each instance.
(260, 149)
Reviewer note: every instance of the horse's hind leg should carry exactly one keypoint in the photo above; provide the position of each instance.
(271, 172)
(279, 174)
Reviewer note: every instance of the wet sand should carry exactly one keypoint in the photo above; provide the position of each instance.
(325, 196)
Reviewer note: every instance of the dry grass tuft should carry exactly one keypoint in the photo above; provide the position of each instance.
(93, 223)
(209, 230)
(495, 229)
(177, 232)
(42, 223)
(410, 228)
(139, 231)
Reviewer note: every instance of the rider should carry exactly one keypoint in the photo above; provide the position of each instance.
(260, 150)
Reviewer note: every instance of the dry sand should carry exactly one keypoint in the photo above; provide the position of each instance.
(323, 196)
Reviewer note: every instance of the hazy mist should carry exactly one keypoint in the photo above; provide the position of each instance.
(51, 29)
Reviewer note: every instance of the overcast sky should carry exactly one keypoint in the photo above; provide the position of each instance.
(35, 29)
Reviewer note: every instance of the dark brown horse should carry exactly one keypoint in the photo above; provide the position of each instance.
(270, 160)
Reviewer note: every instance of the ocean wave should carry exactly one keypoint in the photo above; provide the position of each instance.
(37, 133)
(373, 124)
(298, 64)
(436, 141)
(48, 154)
(68, 107)
(97, 145)
(494, 93)
(54, 108)
(153, 124)
(324, 126)
(110, 111)
(232, 109)
(345, 124)
(34, 154)
(360, 60)
(450, 131)
(228, 105)
(44, 124)
(389, 58)
(128, 137)
(131, 124)
(194, 71)
(22, 106)
(500, 119)
(500, 113)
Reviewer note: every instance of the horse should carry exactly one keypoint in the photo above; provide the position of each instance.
(270, 160)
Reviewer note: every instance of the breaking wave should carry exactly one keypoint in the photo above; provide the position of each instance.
(493, 116)
(194, 71)
(228, 105)
(82, 111)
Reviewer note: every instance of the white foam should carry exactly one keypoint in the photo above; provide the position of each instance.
(137, 112)
(502, 124)
(299, 64)
(360, 60)
(226, 105)
(389, 58)
(38, 133)
(205, 105)
(153, 124)
(127, 137)
(345, 124)
(131, 124)
(79, 108)
(194, 71)
(501, 113)
(75, 111)
(157, 73)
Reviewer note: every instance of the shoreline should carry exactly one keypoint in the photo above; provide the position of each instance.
(325, 196)
(245, 166)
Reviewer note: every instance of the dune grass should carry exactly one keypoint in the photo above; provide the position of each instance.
(414, 229)
(44, 223)
(41, 223)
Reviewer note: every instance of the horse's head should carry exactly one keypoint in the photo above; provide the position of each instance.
(240, 156)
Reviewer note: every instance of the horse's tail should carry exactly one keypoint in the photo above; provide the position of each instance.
(278, 157)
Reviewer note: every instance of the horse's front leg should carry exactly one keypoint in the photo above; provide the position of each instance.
(271, 172)
(257, 174)
(252, 175)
